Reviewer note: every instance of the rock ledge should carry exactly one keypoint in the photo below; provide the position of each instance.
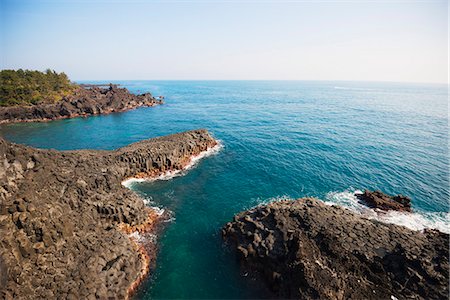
(306, 249)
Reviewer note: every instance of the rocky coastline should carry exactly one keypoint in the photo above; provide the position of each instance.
(306, 249)
(82, 102)
(68, 226)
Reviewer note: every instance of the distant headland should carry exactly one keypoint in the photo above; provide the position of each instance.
(29, 96)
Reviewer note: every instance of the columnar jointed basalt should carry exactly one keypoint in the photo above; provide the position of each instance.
(64, 216)
(305, 249)
(83, 102)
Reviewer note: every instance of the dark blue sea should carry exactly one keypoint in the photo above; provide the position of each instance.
(281, 139)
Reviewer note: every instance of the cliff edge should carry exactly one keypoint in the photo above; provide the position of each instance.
(65, 218)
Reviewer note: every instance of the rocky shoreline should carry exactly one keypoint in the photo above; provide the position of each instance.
(305, 249)
(81, 103)
(67, 223)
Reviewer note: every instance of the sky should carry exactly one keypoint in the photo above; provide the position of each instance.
(400, 41)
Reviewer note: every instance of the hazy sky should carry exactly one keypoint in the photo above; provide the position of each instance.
(306, 40)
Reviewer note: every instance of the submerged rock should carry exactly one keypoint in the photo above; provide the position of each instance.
(65, 217)
(82, 102)
(306, 249)
(380, 200)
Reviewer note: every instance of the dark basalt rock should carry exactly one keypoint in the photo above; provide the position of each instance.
(305, 249)
(83, 102)
(380, 200)
(60, 214)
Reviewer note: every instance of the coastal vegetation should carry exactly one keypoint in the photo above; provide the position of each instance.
(53, 97)
(29, 87)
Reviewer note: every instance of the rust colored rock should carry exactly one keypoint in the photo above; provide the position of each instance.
(380, 200)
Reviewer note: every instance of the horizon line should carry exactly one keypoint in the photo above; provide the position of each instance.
(311, 80)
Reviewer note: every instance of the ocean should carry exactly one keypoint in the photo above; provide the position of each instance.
(279, 140)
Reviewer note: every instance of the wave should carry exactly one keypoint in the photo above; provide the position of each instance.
(143, 237)
(175, 173)
(418, 220)
(257, 202)
(158, 210)
(273, 199)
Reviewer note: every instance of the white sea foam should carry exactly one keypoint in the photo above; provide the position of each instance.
(147, 200)
(169, 220)
(129, 182)
(275, 199)
(256, 202)
(142, 238)
(136, 236)
(417, 220)
(171, 174)
(159, 211)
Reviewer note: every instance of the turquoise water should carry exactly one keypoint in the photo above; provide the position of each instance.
(281, 140)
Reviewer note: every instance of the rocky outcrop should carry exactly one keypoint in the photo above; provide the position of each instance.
(380, 200)
(306, 249)
(65, 218)
(83, 102)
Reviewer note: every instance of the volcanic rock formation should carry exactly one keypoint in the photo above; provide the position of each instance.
(83, 102)
(380, 200)
(306, 249)
(65, 217)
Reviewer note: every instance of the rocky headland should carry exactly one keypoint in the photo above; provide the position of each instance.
(82, 101)
(67, 223)
(306, 249)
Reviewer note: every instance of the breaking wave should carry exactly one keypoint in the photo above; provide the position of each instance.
(417, 220)
(143, 237)
(256, 202)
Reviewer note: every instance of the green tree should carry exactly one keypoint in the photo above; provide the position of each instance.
(27, 87)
